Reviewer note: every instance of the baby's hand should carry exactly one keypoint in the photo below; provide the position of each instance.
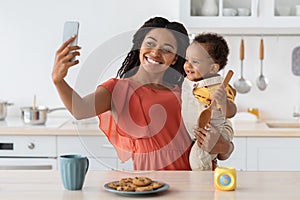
(207, 138)
(221, 98)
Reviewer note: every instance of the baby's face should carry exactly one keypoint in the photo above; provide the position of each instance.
(198, 63)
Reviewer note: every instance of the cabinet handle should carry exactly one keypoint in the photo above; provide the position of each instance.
(31, 145)
(257, 7)
(26, 167)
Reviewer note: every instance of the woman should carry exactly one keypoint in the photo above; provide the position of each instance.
(139, 112)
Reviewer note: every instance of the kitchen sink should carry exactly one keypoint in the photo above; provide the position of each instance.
(283, 124)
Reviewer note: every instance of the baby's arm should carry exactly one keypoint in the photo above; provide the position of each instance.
(228, 106)
(227, 133)
(230, 109)
(216, 140)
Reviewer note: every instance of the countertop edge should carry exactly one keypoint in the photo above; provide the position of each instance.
(91, 128)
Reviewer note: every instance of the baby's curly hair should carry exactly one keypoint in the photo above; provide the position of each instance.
(216, 47)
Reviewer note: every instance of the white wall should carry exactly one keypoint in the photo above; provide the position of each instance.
(31, 31)
(283, 91)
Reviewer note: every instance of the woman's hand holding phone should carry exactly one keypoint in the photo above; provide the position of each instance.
(63, 59)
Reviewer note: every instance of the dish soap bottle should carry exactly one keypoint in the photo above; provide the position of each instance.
(209, 8)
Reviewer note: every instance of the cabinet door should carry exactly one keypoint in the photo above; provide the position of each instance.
(100, 152)
(238, 156)
(263, 14)
(96, 146)
(273, 154)
(99, 163)
(279, 14)
(128, 165)
(191, 14)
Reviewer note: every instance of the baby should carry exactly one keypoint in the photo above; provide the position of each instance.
(205, 57)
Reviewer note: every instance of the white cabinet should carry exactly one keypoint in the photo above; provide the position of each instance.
(263, 14)
(265, 154)
(28, 152)
(275, 154)
(238, 156)
(42, 152)
(98, 149)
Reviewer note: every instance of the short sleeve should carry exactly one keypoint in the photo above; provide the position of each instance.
(109, 84)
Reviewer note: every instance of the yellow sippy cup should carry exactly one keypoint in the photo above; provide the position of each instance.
(225, 178)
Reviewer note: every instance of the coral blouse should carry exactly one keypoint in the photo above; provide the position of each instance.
(145, 124)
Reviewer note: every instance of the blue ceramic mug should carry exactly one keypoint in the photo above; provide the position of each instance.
(73, 169)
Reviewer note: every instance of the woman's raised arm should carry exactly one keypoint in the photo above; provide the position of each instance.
(88, 106)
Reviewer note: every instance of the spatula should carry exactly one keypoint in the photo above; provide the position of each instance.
(205, 115)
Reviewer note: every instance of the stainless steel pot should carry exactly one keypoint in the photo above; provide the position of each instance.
(37, 115)
(3, 109)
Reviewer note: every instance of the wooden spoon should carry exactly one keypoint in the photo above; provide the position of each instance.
(205, 115)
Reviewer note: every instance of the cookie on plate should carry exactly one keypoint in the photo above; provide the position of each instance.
(114, 184)
(156, 184)
(144, 188)
(129, 187)
(126, 180)
(141, 181)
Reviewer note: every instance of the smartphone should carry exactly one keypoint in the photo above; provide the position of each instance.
(71, 28)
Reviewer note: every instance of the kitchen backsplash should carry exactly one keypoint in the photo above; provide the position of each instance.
(282, 94)
(30, 34)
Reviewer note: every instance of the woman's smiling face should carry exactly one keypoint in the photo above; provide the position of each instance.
(158, 50)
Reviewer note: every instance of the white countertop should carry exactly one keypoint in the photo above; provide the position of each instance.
(16, 122)
(68, 126)
(261, 129)
(53, 126)
(47, 185)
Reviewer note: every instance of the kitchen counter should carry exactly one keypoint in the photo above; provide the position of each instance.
(261, 129)
(53, 126)
(47, 185)
(67, 126)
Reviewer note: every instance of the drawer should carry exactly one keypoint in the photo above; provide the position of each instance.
(91, 146)
(27, 146)
(100, 164)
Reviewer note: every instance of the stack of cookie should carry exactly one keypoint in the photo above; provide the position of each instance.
(136, 184)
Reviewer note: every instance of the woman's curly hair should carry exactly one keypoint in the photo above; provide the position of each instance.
(175, 73)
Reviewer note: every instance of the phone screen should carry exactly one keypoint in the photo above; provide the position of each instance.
(71, 28)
